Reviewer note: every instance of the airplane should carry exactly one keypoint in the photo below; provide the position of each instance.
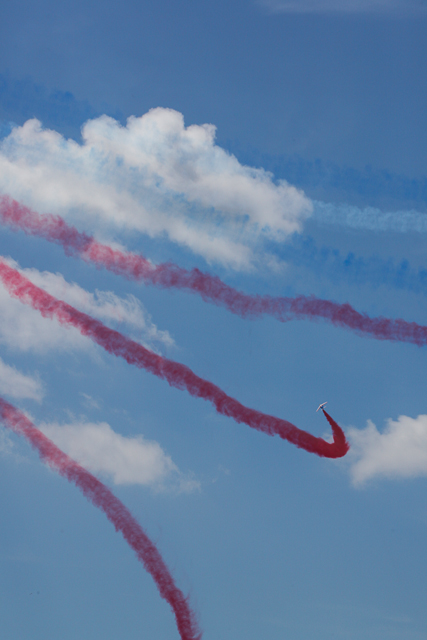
(321, 406)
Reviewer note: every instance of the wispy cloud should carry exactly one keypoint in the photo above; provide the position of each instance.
(345, 6)
(6, 444)
(105, 305)
(90, 402)
(154, 176)
(125, 460)
(25, 329)
(400, 451)
(15, 384)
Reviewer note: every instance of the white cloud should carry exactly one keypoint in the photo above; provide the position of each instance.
(400, 451)
(344, 6)
(18, 385)
(21, 327)
(126, 460)
(154, 176)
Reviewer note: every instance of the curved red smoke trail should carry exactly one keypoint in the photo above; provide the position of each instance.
(115, 511)
(176, 374)
(210, 288)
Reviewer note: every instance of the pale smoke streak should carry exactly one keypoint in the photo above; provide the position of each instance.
(343, 7)
(369, 218)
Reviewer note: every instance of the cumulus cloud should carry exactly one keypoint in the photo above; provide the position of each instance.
(344, 6)
(15, 384)
(400, 451)
(125, 460)
(154, 176)
(23, 328)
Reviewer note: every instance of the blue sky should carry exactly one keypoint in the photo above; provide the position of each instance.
(280, 146)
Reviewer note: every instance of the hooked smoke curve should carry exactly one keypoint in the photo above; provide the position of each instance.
(123, 521)
(176, 374)
(210, 288)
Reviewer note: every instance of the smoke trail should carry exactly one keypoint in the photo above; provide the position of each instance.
(210, 288)
(176, 374)
(52, 228)
(302, 252)
(369, 218)
(379, 186)
(375, 271)
(115, 511)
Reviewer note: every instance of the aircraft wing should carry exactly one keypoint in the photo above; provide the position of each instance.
(321, 406)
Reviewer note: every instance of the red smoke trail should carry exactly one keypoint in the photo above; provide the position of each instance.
(176, 374)
(115, 511)
(209, 287)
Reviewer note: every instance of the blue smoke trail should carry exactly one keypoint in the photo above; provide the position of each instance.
(378, 187)
(23, 99)
(303, 252)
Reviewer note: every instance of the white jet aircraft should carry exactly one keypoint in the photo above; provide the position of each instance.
(321, 406)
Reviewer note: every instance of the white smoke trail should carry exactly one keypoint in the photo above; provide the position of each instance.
(369, 218)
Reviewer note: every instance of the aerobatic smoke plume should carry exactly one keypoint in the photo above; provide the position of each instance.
(176, 374)
(210, 288)
(123, 521)
(370, 218)
(374, 270)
